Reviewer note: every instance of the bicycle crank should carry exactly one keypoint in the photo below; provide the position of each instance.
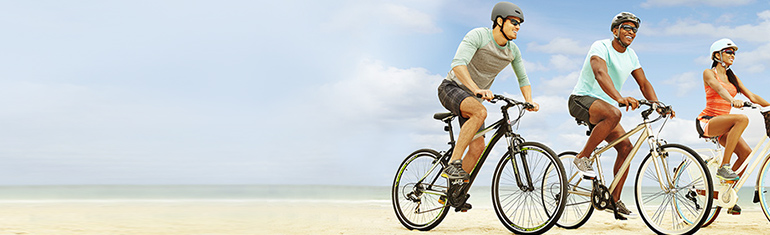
(600, 196)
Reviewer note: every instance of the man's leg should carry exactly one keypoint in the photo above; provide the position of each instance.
(605, 117)
(623, 148)
(476, 114)
(474, 152)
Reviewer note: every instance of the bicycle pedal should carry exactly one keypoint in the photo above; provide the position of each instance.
(442, 200)
(459, 181)
(464, 208)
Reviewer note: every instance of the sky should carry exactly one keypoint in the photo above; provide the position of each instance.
(315, 92)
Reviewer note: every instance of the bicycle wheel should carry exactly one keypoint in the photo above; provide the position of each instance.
(764, 186)
(525, 210)
(417, 189)
(674, 191)
(715, 208)
(712, 216)
(578, 208)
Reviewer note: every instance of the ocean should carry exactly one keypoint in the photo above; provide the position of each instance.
(376, 195)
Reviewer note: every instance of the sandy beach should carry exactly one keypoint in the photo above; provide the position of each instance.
(288, 217)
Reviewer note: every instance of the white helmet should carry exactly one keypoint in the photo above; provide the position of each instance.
(722, 44)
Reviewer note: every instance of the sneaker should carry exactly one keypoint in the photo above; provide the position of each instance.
(455, 171)
(726, 173)
(736, 210)
(621, 208)
(464, 208)
(584, 166)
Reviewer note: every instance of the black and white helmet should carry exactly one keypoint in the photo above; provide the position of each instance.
(625, 17)
(505, 10)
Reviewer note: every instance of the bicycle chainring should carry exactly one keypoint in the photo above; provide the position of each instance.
(600, 197)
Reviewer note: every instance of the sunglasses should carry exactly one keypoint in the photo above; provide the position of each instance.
(729, 51)
(629, 28)
(514, 22)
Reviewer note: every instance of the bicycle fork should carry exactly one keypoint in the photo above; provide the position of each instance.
(526, 183)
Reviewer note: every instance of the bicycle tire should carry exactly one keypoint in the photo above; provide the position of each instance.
(529, 211)
(668, 210)
(578, 209)
(409, 208)
(712, 216)
(764, 186)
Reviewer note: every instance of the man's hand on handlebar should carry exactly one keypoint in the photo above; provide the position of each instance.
(663, 111)
(485, 94)
(535, 107)
(628, 102)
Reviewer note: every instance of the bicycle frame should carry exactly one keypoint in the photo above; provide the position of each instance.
(718, 155)
(503, 129)
(648, 135)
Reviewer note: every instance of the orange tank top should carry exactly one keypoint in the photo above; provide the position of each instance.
(715, 104)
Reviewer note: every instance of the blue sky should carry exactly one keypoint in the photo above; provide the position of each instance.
(308, 92)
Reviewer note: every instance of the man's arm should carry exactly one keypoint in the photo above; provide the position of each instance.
(599, 67)
(461, 71)
(526, 91)
(644, 85)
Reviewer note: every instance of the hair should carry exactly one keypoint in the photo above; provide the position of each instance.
(730, 76)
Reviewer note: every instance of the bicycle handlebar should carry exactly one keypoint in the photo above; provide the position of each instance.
(747, 104)
(654, 105)
(497, 97)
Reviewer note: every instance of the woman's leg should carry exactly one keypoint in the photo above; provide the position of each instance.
(730, 127)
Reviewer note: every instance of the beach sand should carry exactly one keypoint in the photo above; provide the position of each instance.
(290, 217)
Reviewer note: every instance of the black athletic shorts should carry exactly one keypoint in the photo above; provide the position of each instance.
(579, 105)
(451, 95)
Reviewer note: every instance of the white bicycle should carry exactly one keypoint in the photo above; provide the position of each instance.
(726, 192)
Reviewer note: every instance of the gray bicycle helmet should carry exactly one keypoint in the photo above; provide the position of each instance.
(625, 17)
(505, 10)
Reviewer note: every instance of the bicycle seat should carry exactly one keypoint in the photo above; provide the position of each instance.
(590, 126)
(442, 116)
(700, 129)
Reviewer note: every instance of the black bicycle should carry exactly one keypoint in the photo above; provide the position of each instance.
(528, 195)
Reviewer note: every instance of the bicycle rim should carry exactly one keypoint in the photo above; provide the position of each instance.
(764, 186)
(525, 211)
(577, 209)
(416, 205)
(678, 198)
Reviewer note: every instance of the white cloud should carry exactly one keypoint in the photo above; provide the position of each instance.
(561, 84)
(754, 33)
(670, 3)
(361, 17)
(385, 93)
(684, 82)
(410, 19)
(560, 46)
(563, 62)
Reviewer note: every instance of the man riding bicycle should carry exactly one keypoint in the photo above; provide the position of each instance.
(482, 54)
(594, 99)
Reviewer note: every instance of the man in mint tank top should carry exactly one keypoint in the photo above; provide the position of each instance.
(482, 54)
(607, 66)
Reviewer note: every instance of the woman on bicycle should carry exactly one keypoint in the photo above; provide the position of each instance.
(721, 86)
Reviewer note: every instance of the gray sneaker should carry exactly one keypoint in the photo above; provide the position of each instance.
(621, 208)
(726, 173)
(455, 171)
(584, 166)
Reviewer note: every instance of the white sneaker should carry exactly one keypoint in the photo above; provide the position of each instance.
(584, 166)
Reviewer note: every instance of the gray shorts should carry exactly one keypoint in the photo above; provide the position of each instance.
(451, 95)
(579, 105)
